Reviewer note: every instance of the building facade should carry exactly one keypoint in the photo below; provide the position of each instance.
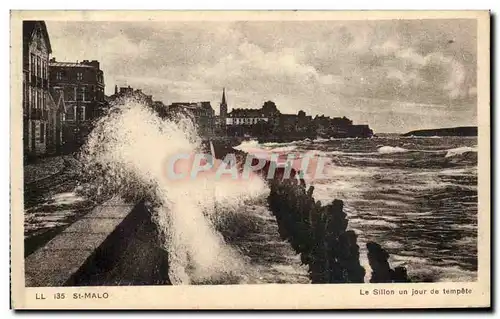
(246, 117)
(36, 52)
(82, 86)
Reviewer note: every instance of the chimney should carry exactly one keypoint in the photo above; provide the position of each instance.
(93, 63)
(116, 89)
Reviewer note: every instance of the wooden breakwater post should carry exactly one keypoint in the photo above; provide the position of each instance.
(381, 271)
(319, 233)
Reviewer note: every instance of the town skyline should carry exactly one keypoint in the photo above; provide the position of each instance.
(393, 75)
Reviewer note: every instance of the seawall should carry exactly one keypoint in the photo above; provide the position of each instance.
(115, 244)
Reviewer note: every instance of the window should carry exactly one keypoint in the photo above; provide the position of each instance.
(81, 114)
(40, 105)
(32, 64)
(32, 98)
(79, 76)
(70, 114)
(71, 93)
(59, 76)
(38, 67)
(82, 93)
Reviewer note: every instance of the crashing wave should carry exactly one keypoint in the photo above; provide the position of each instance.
(127, 153)
(252, 146)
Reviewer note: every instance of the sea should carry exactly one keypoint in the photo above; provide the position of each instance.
(415, 196)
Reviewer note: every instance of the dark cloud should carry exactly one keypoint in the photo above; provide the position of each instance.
(393, 74)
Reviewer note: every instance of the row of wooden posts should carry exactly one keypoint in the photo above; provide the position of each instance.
(319, 233)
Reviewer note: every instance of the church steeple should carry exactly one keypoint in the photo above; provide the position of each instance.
(223, 104)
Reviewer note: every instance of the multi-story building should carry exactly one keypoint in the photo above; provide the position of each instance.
(246, 117)
(82, 87)
(36, 52)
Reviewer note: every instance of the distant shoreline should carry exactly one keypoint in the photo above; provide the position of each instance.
(452, 131)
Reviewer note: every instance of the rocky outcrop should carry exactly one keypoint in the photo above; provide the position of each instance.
(381, 271)
(452, 131)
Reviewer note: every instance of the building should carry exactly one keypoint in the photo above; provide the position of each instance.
(288, 122)
(130, 92)
(82, 86)
(340, 127)
(36, 52)
(360, 130)
(127, 91)
(304, 123)
(246, 117)
(202, 113)
(57, 113)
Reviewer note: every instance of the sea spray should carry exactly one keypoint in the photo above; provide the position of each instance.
(125, 156)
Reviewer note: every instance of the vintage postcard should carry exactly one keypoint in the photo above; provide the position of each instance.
(250, 159)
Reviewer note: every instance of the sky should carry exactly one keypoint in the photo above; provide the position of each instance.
(395, 75)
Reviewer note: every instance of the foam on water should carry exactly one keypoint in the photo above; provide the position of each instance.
(126, 155)
(391, 150)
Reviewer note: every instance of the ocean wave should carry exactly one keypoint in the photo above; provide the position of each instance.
(460, 150)
(253, 145)
(246, 145)
(285, 148)
(459, 171)
(366, 223)
(391, 150)
(117, 159)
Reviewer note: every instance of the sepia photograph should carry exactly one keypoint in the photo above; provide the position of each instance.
(319, 151)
